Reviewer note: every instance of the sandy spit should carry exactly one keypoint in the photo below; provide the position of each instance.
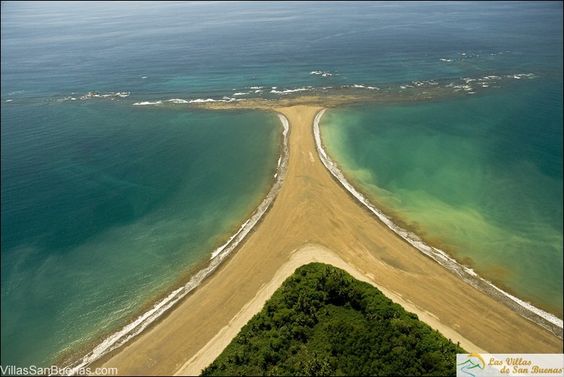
(312, 208)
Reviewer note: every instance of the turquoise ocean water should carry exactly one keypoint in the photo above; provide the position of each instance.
(482, 184)
(107, 206)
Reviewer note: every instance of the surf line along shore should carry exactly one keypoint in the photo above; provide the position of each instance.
(312, 208)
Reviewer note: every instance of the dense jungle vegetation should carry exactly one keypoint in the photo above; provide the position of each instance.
(322, 321)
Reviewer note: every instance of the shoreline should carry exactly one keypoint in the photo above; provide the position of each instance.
(311, 208)
(136, 327)
(306, 254)
(525, 309)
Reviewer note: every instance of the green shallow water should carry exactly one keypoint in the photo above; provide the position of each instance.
(479, 177)
(105, 207)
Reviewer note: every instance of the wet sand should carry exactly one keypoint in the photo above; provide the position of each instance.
(312, 208)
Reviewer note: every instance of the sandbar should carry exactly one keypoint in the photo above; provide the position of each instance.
(314, 218)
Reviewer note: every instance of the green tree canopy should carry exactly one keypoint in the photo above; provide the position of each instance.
(324, 322)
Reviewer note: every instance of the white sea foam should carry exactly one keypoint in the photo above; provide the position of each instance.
(361, 86)
(9, 100)
(178, 100)
(288, 91)
(218, 251)
(520, 76)
(240, 94)
(186, 101)
(446, 60)
(208, 100)
(91, 95)
(147, 103)
(525, 309)
(202, 100)
(321, 73)
(140, 323)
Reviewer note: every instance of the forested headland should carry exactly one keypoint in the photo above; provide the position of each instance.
(322, 321)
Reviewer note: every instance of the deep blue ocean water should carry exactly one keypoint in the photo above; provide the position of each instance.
(106, 205)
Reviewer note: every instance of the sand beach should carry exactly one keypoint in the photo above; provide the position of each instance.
(313, 218)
